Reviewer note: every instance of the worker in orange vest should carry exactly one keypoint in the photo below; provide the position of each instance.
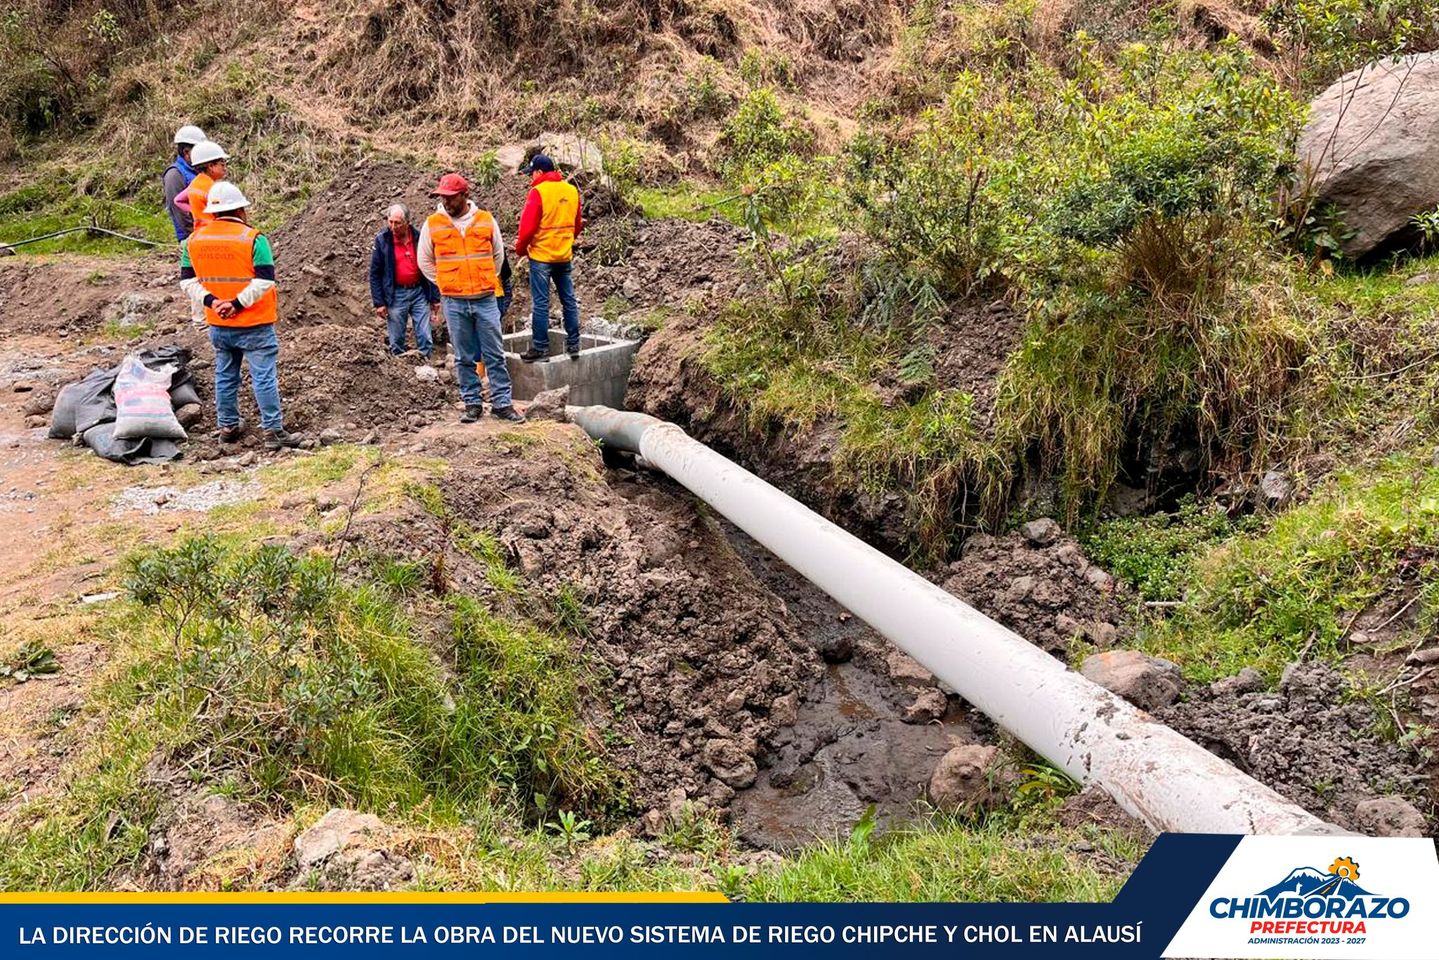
(548, 227)
(208, 159)
(461, 251)
(227, 267)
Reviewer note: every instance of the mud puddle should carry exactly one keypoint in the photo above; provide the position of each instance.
(868, 731)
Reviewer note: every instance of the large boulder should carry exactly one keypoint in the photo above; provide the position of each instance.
(1371, 147)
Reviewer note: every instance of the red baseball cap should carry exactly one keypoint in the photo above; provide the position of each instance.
(451, 184)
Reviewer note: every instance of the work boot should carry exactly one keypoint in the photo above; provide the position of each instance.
(472, 413)
(531, 355)
(232, 434)
(280, 439)
(508, 413)
(574, 352)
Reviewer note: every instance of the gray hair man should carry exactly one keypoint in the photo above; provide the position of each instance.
(400, 293)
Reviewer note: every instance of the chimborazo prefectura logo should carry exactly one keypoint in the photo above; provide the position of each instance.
(1313, 902)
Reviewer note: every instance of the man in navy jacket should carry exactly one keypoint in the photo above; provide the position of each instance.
(399, 292)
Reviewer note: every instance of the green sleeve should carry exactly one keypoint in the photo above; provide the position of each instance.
(185, 255)
(263, 256)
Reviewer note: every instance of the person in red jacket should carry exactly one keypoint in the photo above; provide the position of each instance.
(548, 227)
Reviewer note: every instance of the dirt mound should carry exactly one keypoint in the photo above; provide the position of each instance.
(670, 264)
(331, 374)
(1310, 739)
(697, 653)
(322, 254)
(1048, 593)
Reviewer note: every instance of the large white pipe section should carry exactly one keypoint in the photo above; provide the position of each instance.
(1166, 780)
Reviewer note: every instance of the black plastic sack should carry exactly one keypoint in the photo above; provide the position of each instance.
(183, 394)
(101, 439)
(85, 407)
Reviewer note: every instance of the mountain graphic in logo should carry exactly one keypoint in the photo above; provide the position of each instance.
(1307, 882)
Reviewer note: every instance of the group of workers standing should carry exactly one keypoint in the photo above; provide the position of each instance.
(455, 264)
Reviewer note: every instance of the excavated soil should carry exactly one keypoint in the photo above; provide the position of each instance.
(1308, 739)
(1048, 593)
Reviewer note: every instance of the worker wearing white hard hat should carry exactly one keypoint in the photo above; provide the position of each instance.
(227, 269)
(177, 178)
(208, 158)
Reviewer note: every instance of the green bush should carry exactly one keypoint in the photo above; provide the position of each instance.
(274, 670)
(759, 134)
(1320, 39)
(1035, 178)
(1155, 554)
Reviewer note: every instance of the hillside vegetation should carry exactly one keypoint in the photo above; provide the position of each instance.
(999, 261)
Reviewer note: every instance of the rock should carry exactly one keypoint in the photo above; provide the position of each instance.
(35, 421)
(961, 780)
(1068, 627)
(1147, 682)
(1389, 817)
(40, 402)
(652, 824)
(550, 405)
(246, 460)
(510, 157)
(1247, 680)
(1021, 587)
(1423, 657)
(336, 832)
(1100, 580)
(1419, 279)
(905, 670)
(190, 414)
(571, 152)
(929, 704)
(1371, 149)
(835, 647)
(631, 288)
(1041, 532)
(784, 711)
(1276, 488)
(330, 436)
(730, 763)
(427, 374)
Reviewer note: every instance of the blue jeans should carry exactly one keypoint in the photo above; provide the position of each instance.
(474, 325)
(410, 302)
(540, 276)
(261, 349)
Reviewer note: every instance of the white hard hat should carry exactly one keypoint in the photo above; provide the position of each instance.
(190, 134)
(224, 197)
(207, 152)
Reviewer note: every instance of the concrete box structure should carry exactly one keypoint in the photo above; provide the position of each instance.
(600, 375)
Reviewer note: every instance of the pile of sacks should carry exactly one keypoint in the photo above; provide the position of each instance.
(127, 413)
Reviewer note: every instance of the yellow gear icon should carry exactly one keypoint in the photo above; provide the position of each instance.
(1346, 868)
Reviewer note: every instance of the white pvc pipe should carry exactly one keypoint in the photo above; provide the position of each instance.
(1164, 779)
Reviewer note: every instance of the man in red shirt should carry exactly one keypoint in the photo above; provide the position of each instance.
(398, 290)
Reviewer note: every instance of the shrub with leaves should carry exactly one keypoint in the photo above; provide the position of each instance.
(275, 671)
(759, 134)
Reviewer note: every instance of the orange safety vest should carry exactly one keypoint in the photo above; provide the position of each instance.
(222, 254)
(464, 262)
(199, 191)
(554, 241)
